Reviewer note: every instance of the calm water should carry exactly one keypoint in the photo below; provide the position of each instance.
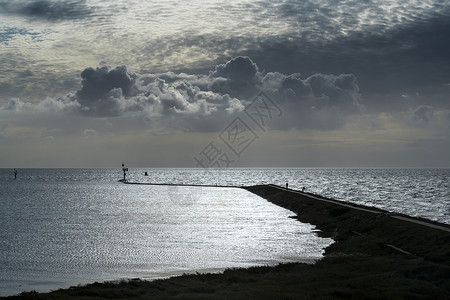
(62, 227)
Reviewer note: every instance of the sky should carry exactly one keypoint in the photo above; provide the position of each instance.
(293, 83)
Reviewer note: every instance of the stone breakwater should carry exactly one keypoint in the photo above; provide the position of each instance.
(346, 221)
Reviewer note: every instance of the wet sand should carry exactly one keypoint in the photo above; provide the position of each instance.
(377, 255)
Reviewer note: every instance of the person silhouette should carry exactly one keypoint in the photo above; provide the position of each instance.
(124, 172)
(15, 173)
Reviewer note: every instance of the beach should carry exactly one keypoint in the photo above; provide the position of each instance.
(376, 255)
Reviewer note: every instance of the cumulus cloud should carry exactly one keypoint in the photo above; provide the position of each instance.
(389, 47)
(200, 102)
(320, 101)
(237, 77)
(96, 83)
(104, 88)
(63, 104)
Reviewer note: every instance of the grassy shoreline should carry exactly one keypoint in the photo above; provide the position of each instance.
(375, 256)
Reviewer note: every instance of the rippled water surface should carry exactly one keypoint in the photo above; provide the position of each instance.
(417, 192)
(62, 227)
(65, 227)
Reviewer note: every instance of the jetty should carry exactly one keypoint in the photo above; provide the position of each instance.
(353, 206)
(180, 184)
(376, 255)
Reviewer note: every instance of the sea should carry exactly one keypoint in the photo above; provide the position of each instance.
(67, 227)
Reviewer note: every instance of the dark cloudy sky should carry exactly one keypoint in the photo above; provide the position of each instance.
(174, 83)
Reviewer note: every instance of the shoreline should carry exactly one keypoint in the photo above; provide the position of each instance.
(376, 254)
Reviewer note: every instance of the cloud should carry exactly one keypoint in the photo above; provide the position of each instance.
(96, 83)
(49, 10)
(423, 114)
(65, 104)
(390, 48)
(8, 33)
(90, 132)
(26, 73)
(103, 89)
(196, 102)
(320, 101)
(237, 77)
(435, 122)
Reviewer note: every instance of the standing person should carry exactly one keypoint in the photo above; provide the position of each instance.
(124, 172)
(286, 185)
(15, 173)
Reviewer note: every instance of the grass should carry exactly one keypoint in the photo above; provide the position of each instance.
(362, 264)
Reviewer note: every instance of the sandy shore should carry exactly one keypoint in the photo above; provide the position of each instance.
(377, 255)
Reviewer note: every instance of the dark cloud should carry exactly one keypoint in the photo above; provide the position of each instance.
(47, 9)
(240, 77)
(206, 102)
(320, 101)
(101, 87)
(405, 50)
(409, 57)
